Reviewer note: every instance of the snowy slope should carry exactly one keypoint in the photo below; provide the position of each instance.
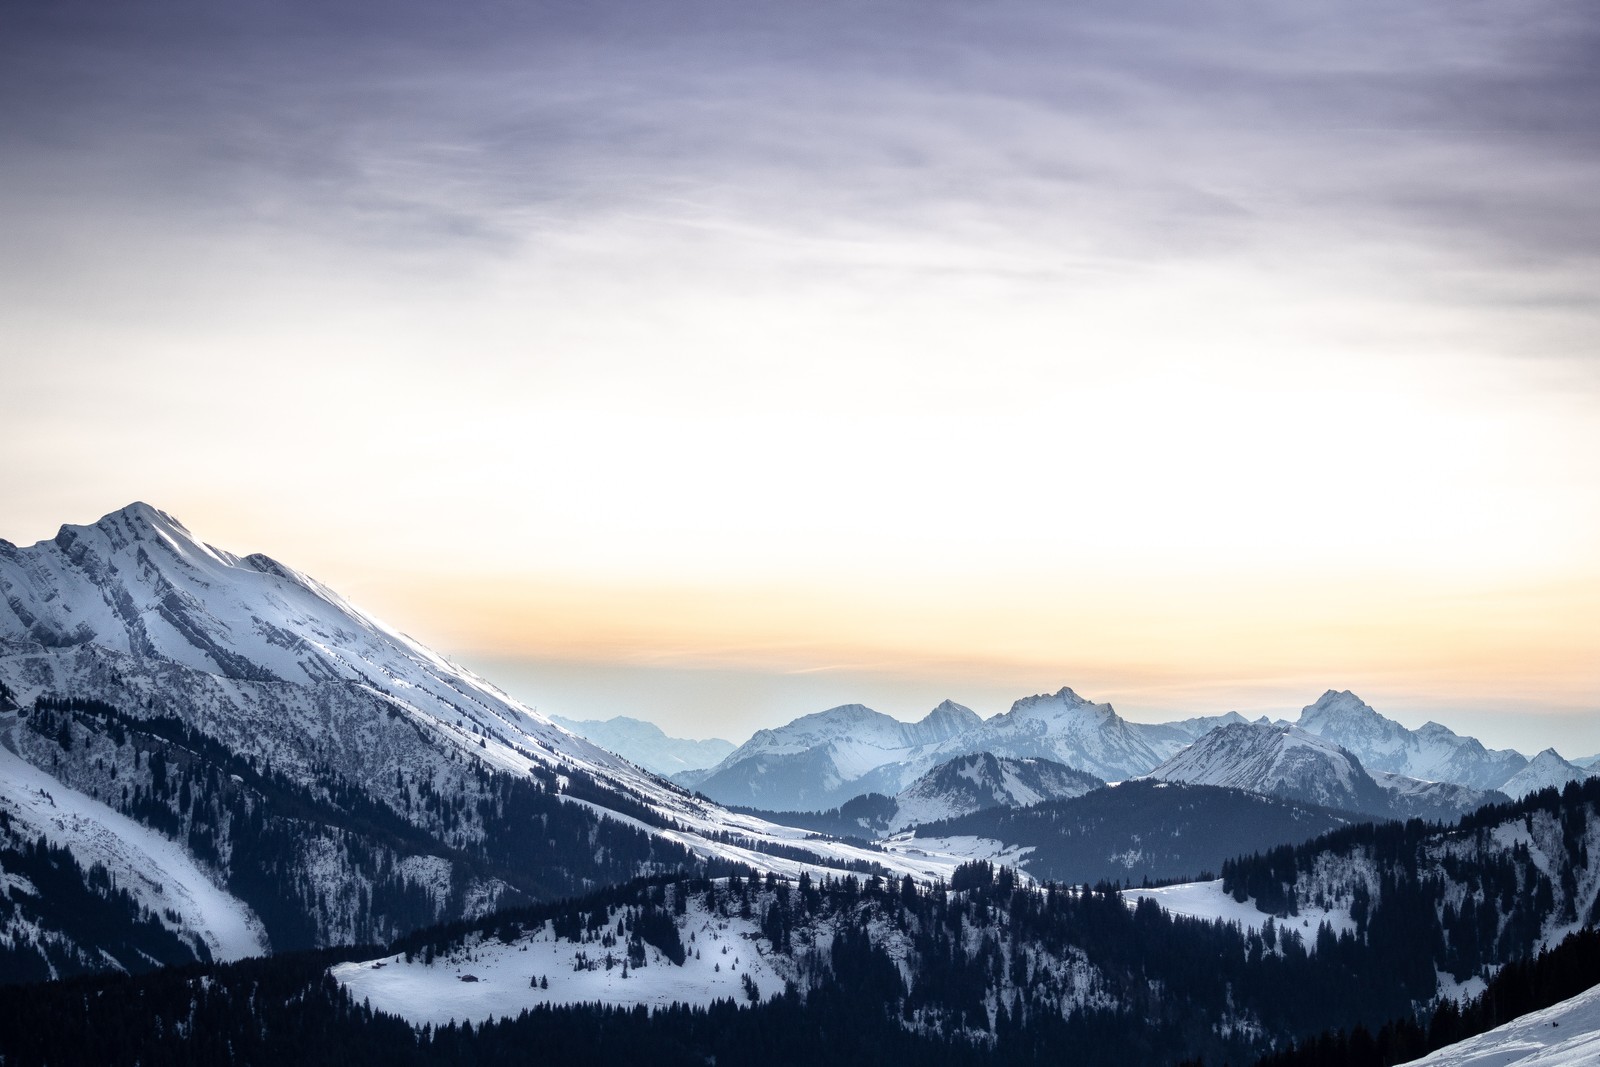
(728, 953)
(1543, 846)
(972, 783)
(1279, 761)
(1435, 801)
(1547, 770)
(136, 588)
(1207, 900)
(159, 873)
(284, 674)
(1563, 1035)
(1431, 752)
(573, 972)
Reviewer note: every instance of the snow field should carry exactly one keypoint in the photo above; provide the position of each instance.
(723, 952)
(1206, 900)
(1562, 1035)
(940, 856)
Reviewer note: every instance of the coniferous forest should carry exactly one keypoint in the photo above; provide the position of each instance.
(980, 991)
(991, 967)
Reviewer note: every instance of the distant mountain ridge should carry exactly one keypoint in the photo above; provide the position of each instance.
(1547, 770)
(648, 745)
(1281, 760)
(1431, 752)
(1278, 760)
(956, 787)
(821, 760)
(983, 780)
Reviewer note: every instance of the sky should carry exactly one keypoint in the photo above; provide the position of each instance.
(716, 362)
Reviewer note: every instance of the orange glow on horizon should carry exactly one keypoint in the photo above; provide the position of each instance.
(1147, 647)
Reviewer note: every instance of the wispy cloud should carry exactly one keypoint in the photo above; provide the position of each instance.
(844, 293)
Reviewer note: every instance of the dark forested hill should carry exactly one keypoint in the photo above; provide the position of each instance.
(1143, 830)
(985, 969)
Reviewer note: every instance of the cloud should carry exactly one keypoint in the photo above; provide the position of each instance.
(1125, 290)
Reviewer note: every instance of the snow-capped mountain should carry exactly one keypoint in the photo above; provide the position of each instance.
(860, 733)
(1432, 752)
(819, 760)
(1280, 761)
(972, 783)
(648, 745)
(333, 779)
(1545, 771)
(1064, 727)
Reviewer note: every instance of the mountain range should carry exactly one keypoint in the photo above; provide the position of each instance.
(1286, 761)
(329, 779)
(647, 744)
(206, 757)
(823, 759)
(1365, 761)
(1431, 752)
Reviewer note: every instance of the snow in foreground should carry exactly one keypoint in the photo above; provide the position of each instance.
(490, 979)
(158, 871)
(1562, 1035)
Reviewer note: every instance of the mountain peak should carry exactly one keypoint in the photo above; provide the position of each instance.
(949, 713)
(1278, 759)
(1338, 702)
(1064, 699)
(139, 511)
(1432, 753)
(844, 713)
(138, 523)
(1546, 770)
(140, 520)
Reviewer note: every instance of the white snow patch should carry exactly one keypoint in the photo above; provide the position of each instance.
(723, 952)
(1563, 1035)
(1206, 900)
(946, 853)
(157, 871)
